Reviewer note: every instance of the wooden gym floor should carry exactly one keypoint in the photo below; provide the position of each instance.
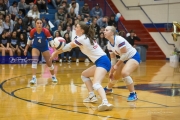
(157, 85)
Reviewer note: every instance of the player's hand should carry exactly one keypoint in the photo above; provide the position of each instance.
(25, 52)
(54, 55)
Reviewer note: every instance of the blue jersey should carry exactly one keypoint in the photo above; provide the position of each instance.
(40, 39)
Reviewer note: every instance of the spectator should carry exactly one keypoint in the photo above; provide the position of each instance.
(20, 15)
(56, 3)
(68, 30)
(69, 53)
(41, 4)
(71, 14)
(1, 26)
(84, 12)
(8, 23)
(33, 14)
(13, 10)
(60, 16)
(122, 33)
(5, 43)
(97, 11)
(65, 6)
(59, 30)
(96, 27)
(3, 8)
(15, 43)
(112, 21)
(6, 2)
(102, 22)
(29, 24)
(24, 7)
(132, 38)
(19, 27)
(22, 43)
(102, 41)
(74, 5)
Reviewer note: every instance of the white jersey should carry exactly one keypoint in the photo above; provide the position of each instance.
(94, 52)
(120, 42)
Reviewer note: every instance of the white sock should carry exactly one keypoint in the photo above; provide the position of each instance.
(91, 94)
(34, 76)
(133, 92)
(108, 87)
(105, 101)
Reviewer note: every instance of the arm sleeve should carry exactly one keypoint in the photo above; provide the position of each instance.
(121, 43)
(48, 34)
(137, 38)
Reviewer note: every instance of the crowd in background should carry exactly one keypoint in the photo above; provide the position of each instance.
(17, 20)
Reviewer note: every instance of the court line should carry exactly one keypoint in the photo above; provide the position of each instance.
(12, 94)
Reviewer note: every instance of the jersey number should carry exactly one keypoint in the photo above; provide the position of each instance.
(39, 40)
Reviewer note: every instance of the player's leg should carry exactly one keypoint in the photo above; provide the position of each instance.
(35, 56)
(116, 77)
(129, 67)
(85, 76)
(46, 54)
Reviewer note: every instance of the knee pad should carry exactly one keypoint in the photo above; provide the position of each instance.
(96, 86)
(127, 80)
(52, 67)
(34, 65)
(113, 81)
(84, 79)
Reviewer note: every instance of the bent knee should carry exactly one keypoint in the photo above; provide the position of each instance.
(125, 73)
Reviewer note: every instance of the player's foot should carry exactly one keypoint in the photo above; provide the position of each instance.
(60, 60)
(174, 35)
(132, 97)
(108, 91)
(105, 107)
(86, 60)
(54, 79)
(33, 81)
(91, 99)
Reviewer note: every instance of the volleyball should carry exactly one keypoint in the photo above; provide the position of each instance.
(59, 43)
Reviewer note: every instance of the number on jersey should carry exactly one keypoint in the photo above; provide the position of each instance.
(39, 40)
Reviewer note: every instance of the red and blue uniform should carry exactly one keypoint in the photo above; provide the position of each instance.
(41, 40)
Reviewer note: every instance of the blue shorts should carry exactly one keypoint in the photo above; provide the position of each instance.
(135, 57)
(103, 62)
(41, 49)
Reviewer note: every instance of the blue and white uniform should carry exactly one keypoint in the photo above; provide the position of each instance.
(94, 52)
(120, 42)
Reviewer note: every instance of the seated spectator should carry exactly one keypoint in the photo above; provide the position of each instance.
(29, 2)
(102, 41)
(3, 8)
(29, 24)
(59, 30)
(102, 22)
(6, 2)
(68, 23)
(33, 14)
(69, 53)
(5, 43)
(65, 6)
(20, 15)
(84, 12)
(56, 3)
(41, 4)
(1, 26)
(112, 21)
(14, 44)
(24, 7)
(131, 39)
(79, 17)
(97, 11)
(13, 10)
(22, 43)
(60, 16)
(122, 33)
(71, 14)
(74, 5)
(20, 27)
(48, 27)
(8, 23)
(96, 27)
(69, 31)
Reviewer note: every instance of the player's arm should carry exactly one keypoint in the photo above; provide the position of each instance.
(123, 56)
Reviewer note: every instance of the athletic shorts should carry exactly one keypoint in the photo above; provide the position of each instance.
(103, 62)
(41, 49)
(135, 57)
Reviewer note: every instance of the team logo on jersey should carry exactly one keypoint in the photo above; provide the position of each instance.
(39, 40)
(121, 44)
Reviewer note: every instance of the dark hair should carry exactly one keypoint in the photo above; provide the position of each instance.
(131, 31)
(37, 20)
(4, 32)
(88, 31)
(104, 40)
(24, 36)
(67, 39)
